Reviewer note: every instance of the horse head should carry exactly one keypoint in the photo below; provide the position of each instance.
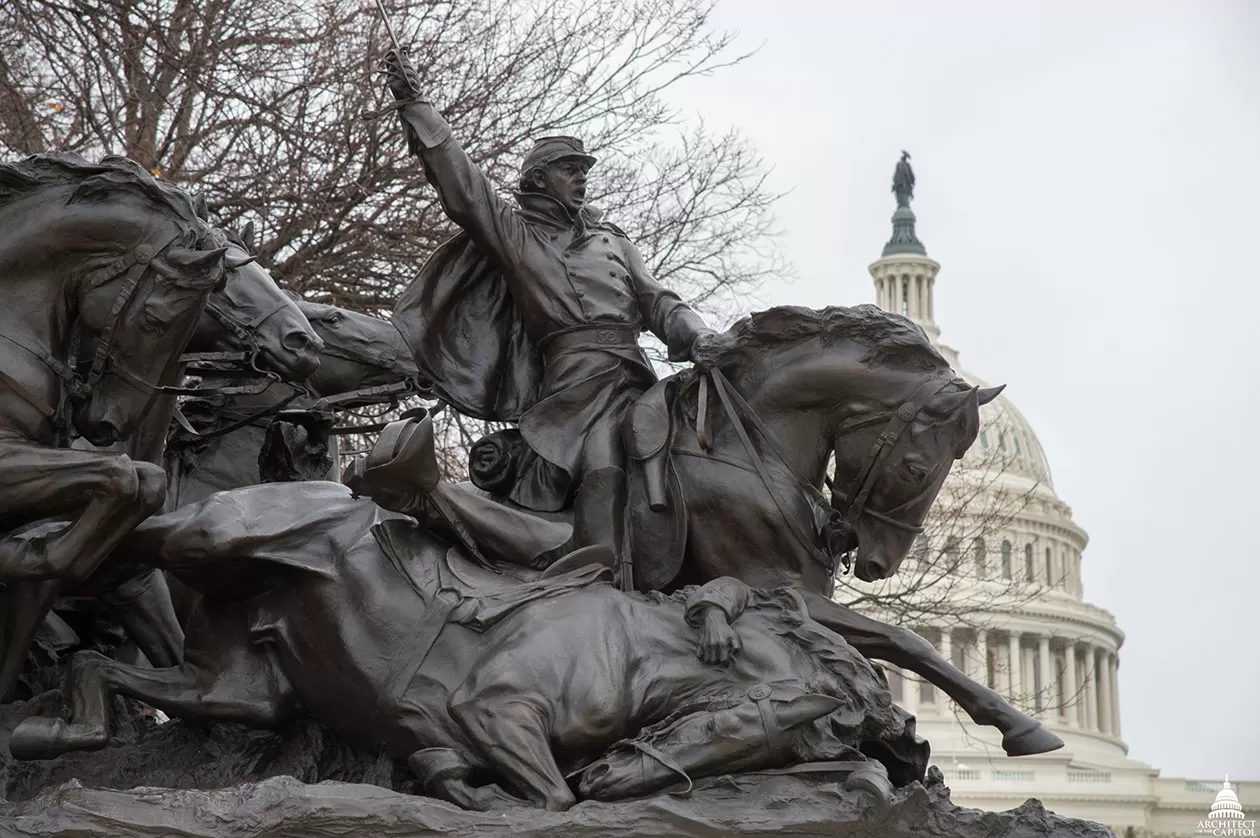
(761, 729)
(867, 389)
(252, 313)
(359, 350)
(139, 321)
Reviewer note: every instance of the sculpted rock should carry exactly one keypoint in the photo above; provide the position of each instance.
(750, 807)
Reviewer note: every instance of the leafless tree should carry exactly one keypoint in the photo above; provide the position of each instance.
(259, 105)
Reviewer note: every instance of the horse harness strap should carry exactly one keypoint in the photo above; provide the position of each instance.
(725, 394)
(135, 264)
(883, 446)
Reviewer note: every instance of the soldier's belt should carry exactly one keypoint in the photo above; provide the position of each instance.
(585, 337)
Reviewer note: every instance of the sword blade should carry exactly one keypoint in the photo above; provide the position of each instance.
(388, 27)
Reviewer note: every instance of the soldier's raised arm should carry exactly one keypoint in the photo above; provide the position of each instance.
(468, 197)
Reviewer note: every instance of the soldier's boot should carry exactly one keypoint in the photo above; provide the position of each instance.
(599, 529)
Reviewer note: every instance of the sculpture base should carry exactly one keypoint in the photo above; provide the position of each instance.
(240, 796)
(282, 807)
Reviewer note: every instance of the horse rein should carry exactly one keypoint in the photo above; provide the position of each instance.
(868, 474)
(131, 267)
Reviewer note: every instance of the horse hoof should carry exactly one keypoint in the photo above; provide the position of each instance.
(1033, 740)
(37, 738)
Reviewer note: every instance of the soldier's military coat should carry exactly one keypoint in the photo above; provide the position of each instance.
(532, 315)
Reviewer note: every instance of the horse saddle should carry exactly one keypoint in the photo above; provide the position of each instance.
(656, 508)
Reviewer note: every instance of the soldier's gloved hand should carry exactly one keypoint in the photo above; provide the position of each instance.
(403, 80)
(719, 642)
(708, 346)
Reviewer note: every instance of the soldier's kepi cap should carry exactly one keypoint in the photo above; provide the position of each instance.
(550, 149)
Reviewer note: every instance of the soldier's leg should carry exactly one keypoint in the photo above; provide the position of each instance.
(600, 508)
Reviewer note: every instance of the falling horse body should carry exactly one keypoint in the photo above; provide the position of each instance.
(490, 685)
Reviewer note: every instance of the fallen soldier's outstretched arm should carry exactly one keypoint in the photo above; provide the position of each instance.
(713, 608)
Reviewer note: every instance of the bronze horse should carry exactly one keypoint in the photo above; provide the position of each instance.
(787, 392)
(361, 358)
(110, 248)
(265, 330)
(316, 599)
(357, 355)
(108, 271)
(823, 384)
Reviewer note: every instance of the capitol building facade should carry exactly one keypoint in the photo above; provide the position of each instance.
(995, 584)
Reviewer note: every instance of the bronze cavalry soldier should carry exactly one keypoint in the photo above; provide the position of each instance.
(533, 314)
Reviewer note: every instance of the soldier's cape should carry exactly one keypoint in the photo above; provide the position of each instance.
(467, 334)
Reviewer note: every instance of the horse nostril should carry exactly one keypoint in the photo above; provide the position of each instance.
(597, 773)
(302, 342)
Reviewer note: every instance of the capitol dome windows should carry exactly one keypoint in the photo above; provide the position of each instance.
(978, 556)
(1028, 563)
(1006, 559)
(1049, 568)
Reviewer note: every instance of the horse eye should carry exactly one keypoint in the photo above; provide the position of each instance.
(710, 725)
(335, 318)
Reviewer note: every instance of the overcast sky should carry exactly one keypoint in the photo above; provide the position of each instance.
(1087, 179)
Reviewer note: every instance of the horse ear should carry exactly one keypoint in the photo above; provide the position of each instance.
(247, 237)
(945, 405)
(201, 208)
(193, 265)
(988, 394)
(805, 708)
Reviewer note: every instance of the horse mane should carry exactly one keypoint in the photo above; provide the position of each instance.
(23, 178)
(891, 338)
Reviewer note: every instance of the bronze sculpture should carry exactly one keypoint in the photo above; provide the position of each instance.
(559, 297)
(479, 641)
(491, 686)
(244, 311)
(903, 181)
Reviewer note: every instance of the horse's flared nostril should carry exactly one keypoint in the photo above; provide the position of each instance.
(302, 341)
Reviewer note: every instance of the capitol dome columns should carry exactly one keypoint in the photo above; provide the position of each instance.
(1072, 701)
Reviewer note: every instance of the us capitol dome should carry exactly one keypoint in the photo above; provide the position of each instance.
(1012, 614)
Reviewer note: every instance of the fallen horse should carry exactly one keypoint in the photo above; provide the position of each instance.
(493, 686)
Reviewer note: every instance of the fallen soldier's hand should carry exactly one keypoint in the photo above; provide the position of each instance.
(719, 642)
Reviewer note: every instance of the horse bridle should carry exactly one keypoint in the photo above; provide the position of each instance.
(853, 508)
(901, 418)
(132, 267)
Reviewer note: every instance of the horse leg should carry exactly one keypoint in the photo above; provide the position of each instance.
(514, 737)
(113, 491)
(143, 605)
(230, 682)
(119, 493)
(1022, 735)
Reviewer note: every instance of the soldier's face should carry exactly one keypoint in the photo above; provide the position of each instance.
(565, 180)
